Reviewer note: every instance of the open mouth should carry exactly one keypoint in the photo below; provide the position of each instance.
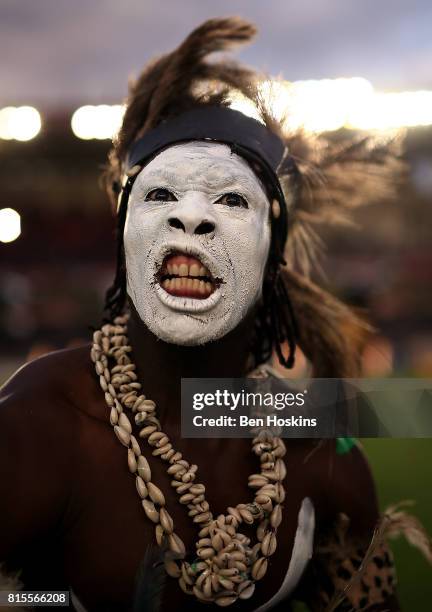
(186, 276)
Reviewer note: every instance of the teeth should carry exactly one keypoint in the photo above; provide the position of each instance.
(194, 270)
(175, 269)
(183, 269)
(188, 284)
(202, 271)
(170, 269)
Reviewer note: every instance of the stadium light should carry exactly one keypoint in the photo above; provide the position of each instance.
(19, 123)
(330, 104)
(10, 225)
(97, 122)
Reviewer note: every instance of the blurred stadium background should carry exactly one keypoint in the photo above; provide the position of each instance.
(57, 231)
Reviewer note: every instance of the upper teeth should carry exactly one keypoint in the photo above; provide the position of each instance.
(185, 270)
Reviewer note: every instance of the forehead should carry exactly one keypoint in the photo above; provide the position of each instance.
(208, 162)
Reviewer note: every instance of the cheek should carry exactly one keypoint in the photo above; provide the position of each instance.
(249, 243)
(140, 230)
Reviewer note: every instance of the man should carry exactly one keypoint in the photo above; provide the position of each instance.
(206, 199)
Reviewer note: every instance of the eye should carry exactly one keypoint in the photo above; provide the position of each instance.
(160, 195)
(232, 199)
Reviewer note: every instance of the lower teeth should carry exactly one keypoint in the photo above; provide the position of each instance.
(196, 285)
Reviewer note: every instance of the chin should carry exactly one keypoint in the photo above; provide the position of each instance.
(189, 330)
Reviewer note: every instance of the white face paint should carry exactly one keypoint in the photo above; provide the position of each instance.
(195, 256)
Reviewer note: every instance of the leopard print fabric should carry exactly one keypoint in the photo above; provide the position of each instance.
(346, 575)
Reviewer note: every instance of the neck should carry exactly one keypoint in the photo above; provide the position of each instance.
(161, 366)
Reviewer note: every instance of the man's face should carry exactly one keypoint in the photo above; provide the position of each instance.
(196, 239)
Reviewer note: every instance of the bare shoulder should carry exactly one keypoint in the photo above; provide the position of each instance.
(52, 383)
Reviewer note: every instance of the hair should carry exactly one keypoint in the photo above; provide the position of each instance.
(334, 176)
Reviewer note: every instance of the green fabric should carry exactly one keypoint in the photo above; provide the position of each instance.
(344, 445)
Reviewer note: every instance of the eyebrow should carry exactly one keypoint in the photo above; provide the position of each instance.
(226, 177)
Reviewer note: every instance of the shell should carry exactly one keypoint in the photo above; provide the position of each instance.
(166, 521)
(226, 582)
(141, 487)
(280, 493)
(276, 516)
(144, 468)
(174, 468)
(164, 440)
(262, 529)
(188, 580)
(199, 499)
(207, 587)
(197, 488)
(146, 431)
(206, 553)
(181, 487)
(226, 600)
(215, 582)
(154, 437)
(246, 589)
(203, 517)
(172, 569)
(280, 469)
(163, 450)
(217, 542)
(140, 417)
(132, 463)
(269, 543)
(259, 568)
(186, 498)
(159, 535)
(204, 543)
(204, 532)
(103, 383)
(156, 494)
(150, 510)
(113, 416)
(109, 399)
(247, 516)
(167, 456)
(229, 572)
(99, 367)
(235, 512)
(176, 544)
(199, 594)
(135, 446)
(122, 435)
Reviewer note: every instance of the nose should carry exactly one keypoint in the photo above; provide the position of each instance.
(192, 217)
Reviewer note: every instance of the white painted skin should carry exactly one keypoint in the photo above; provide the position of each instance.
(235, 251)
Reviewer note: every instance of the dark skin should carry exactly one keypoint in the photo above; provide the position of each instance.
(70, 515)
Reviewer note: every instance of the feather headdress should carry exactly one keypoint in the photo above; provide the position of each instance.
(335, 175)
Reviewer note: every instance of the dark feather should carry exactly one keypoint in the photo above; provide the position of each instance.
(150, 582)
(336, 174)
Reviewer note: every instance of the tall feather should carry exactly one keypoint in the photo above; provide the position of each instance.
(335, 175)
(168, 81)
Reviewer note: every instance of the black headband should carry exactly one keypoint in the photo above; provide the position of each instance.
(217, 123)
(244, 135)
